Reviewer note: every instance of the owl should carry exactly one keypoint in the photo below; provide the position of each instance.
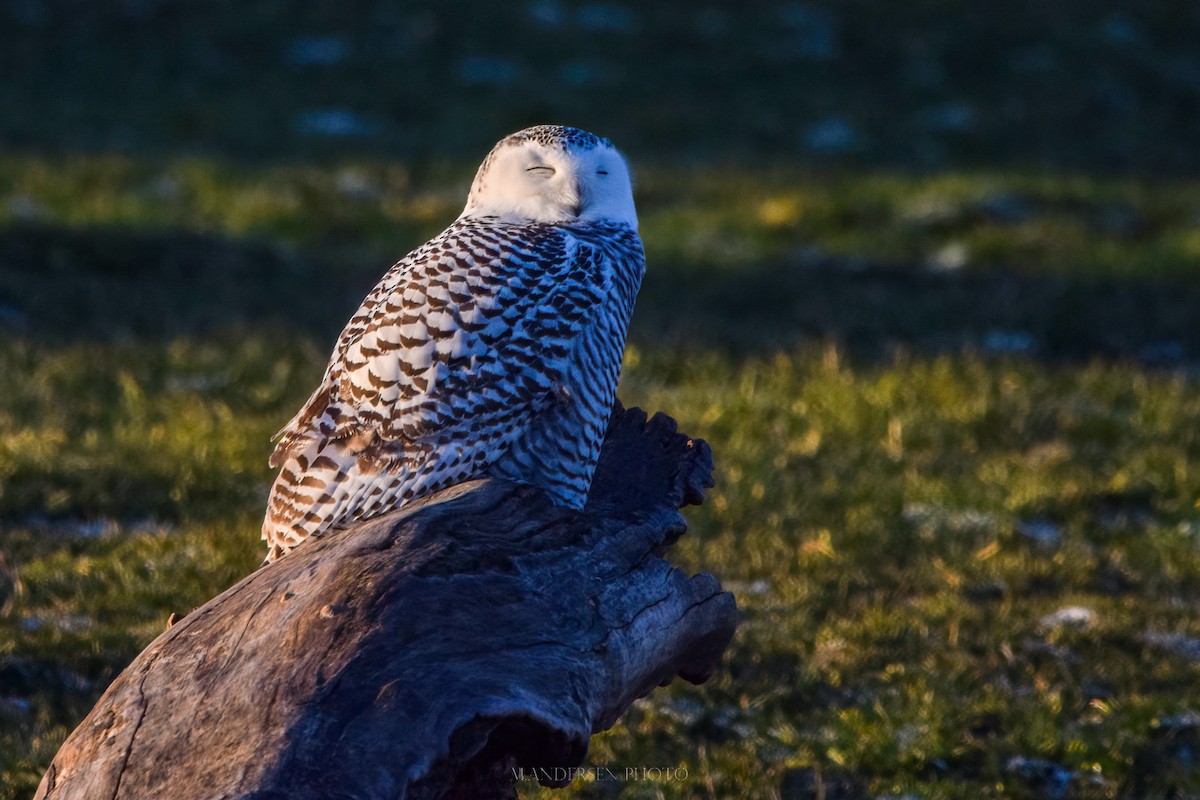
(491, 350)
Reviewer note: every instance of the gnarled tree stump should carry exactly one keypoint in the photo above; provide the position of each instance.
(426, 653)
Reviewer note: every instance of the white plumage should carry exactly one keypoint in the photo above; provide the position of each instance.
(492, 349)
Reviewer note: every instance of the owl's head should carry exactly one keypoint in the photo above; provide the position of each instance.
(552, 173)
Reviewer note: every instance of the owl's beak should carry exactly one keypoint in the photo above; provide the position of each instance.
(576, 207)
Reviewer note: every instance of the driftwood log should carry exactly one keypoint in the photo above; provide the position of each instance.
(428, 653)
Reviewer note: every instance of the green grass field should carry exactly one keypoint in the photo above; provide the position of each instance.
(904, 502)
(928, 285)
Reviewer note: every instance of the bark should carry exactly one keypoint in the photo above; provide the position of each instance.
(427, 653)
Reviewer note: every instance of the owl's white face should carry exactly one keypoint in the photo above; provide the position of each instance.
(530, 181)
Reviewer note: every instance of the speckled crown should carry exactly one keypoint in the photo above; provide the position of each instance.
(558, 135)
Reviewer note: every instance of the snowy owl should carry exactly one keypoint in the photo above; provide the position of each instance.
(493, 349)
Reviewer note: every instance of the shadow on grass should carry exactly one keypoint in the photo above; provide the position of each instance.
(872, 310)
(59, 283)
(62, 284)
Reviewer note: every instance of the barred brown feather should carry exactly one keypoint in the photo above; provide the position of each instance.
(506, 364)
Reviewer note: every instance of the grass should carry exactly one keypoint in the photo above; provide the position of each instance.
(715, 218)
(872, 519)
(1103, 85)
(900, 527)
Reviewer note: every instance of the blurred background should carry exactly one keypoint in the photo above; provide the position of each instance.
(924, 274)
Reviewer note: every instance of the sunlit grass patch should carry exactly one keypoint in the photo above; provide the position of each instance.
(716, 217)
(936, 557)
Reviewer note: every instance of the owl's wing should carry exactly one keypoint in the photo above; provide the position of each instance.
(471, 331)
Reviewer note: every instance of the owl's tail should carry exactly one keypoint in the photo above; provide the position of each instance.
(318, 488)
(331, 482)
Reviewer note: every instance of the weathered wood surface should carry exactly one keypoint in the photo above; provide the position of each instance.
(425, 653)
